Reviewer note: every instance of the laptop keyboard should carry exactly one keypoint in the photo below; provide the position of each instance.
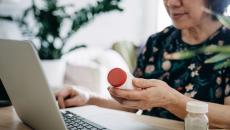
(76, 122)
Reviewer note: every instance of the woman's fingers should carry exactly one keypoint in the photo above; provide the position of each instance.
(62, 95)
(65, 92)
(147, 83)
(61, 102)
(126, 94)
(76, 101)
(120, 100)
(141, 83)
(129, 103)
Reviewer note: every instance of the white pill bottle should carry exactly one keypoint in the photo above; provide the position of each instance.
(196, 118)
(120, 79)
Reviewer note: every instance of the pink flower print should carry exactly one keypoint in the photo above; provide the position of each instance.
(166, 65)
(149, 69)
(227, 90)
(219, 92)
(165, 30)
(189, 87)
(218, 80)
(138, 73)
(166, 55)
(165, 75)
(151, 59)
(226, 80)
(198, 68)
(191, 95)
(144, 50)
(155, 49)
(220, 42)
(179, 89)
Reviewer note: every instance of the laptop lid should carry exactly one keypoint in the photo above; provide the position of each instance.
(25, 83)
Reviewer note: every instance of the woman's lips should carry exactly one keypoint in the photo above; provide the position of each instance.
(177, 16)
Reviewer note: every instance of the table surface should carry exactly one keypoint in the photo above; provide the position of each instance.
(10, 121)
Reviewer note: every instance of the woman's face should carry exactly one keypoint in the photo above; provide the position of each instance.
(186, 13)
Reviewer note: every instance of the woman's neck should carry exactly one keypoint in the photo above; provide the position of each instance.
(198, 34)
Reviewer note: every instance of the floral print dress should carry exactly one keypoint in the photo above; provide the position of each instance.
(191, 77)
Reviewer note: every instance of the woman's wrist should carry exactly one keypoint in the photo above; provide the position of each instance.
(176, 99)
(92, 100)
(172, 99)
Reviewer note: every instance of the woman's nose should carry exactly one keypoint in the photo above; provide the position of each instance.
(173, 3)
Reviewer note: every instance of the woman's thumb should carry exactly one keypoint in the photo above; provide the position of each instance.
(141, 83)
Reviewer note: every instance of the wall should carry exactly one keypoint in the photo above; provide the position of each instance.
(139, 20)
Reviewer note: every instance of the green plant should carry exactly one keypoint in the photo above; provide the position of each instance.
(221, 57)
(49, 21)
(222, 53)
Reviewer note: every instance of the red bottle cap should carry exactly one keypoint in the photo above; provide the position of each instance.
(117, 77)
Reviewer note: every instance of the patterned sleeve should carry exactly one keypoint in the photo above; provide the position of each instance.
(143, 56)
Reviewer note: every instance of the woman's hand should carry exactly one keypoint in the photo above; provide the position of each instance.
(149, 93)
(69, 97)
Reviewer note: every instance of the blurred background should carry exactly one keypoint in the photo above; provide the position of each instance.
(139, 19)
(79, 41)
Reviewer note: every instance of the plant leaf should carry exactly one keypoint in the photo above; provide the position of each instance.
(225, 20)
(75, 47)
(9, 18)
(222, 65)
(181, 55)
(217, 58)
(215, 49)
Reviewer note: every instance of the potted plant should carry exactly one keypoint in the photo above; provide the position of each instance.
(47, 30)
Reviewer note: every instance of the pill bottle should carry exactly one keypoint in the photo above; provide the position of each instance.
(196, 118)
(119, 78)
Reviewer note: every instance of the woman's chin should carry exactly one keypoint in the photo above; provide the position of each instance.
(181, 25)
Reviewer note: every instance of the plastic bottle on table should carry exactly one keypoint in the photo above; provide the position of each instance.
(196, 118)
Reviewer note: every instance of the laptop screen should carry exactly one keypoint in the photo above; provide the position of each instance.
(4, 99)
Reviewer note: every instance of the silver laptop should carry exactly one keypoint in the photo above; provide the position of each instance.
(23, 78)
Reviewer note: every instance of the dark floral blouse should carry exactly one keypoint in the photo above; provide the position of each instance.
(191, 77)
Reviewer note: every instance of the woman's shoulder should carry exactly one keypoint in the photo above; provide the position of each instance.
(222, 36)
(166, 32)
(225, 35)
(158, 38)
(225, 30)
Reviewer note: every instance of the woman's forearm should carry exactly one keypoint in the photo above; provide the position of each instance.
(107, 103)
(219, 115)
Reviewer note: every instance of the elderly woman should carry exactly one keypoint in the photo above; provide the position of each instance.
(167, 85)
